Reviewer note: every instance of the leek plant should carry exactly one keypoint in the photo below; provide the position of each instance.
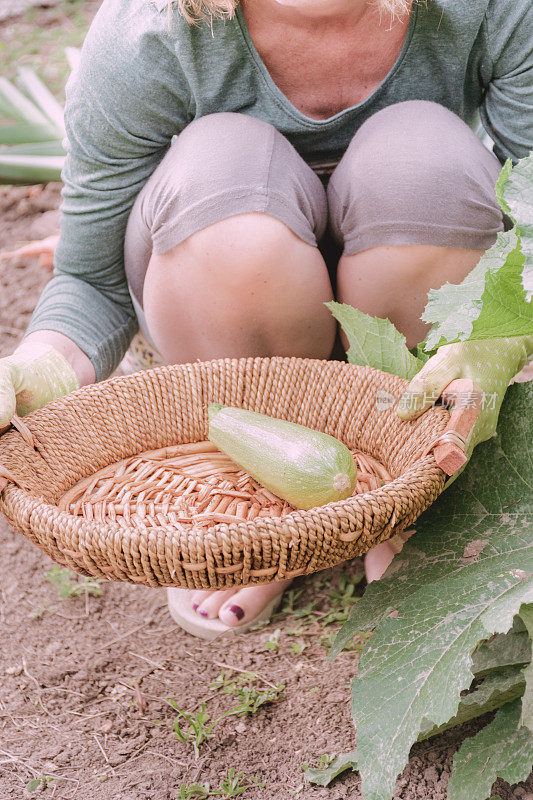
(31, 138)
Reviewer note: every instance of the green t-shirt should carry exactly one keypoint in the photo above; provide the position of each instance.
(144, 75)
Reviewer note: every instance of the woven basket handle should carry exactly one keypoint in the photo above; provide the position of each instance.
(466, 399)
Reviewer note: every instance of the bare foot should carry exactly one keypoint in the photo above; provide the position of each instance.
(236, 606)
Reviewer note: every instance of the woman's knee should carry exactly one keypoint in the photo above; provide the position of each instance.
(220, 166)
(243, 286)
(415, 174)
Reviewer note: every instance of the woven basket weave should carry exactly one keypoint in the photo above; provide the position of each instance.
(77, 436)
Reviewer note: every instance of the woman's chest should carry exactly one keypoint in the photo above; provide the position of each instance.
(322, 74)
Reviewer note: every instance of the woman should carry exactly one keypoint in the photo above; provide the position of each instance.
(325, 147)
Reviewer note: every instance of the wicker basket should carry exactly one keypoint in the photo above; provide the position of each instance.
(77, 436)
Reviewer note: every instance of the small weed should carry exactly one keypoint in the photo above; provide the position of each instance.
(326, 641)
(193, 790)
(42, 782)
(289, 599)
(273, 640)
(301, 631)
(62, 581)
(297, 647)
(232, 786)
(245, 690)
(306, 612)
(236, 784)
(342, 600)
(323, 762)
(199, 731)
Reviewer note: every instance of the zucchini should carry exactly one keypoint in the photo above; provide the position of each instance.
(305, 467)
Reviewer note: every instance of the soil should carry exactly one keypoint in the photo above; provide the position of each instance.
(12, 8)
(85, 682)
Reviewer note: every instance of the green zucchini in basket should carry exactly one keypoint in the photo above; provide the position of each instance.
(305, 467)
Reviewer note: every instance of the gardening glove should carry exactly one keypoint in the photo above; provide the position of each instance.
(489, 363)
(30, 378)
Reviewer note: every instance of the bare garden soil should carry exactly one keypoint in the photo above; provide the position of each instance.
(85, 682)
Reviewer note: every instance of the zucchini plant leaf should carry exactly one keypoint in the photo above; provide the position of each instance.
(494, 300)
(526, 613)
(514, 191)
(461, 578)
(490, 302)
(501, 687)
(375, 342)
(502, 749)
(488, 509)
(324, 776)
(512, 649)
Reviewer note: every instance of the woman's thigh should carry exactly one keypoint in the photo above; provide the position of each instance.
(415, 174)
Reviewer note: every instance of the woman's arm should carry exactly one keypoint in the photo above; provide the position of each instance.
(124, 104)
(507, 109)
(77, 359)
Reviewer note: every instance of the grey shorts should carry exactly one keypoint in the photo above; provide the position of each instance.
(414, 173)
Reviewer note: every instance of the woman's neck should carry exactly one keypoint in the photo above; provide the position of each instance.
(324, 63)
(311, 13)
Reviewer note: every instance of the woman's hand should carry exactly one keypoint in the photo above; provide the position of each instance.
(489, 363)
(36, 373)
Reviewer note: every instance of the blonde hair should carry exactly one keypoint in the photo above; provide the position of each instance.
(195, 10)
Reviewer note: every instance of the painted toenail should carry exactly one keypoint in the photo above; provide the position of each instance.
(203, 612)
(195, 606)
(237, 610)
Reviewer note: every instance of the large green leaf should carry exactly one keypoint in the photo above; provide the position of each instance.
(491, 503)
(501, 749)
(375, 342)
(460, 579)
(514, 191)
(494, 300)
(494, 691)
(490, 302)
(501, 687)
(512, 649)
(526, 612)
